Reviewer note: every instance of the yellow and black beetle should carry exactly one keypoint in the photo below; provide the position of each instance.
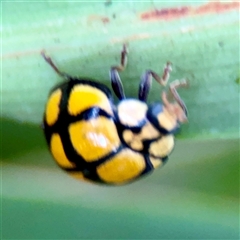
(92, 139)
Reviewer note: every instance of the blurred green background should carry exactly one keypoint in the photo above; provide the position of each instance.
(196, 194)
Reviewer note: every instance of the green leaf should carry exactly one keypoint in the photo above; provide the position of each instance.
(85, 39)
(196, 195)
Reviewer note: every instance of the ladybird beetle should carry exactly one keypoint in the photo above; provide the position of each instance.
(92, 139)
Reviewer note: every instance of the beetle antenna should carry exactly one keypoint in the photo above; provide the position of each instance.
(50, 62)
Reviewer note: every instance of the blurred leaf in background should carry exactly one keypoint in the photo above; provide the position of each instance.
(196, 195)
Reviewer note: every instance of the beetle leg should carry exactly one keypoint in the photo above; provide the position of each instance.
(50, 62)
(114, 74)
(145, 85)
(179, 108)
(146, 81)
(173, 89)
